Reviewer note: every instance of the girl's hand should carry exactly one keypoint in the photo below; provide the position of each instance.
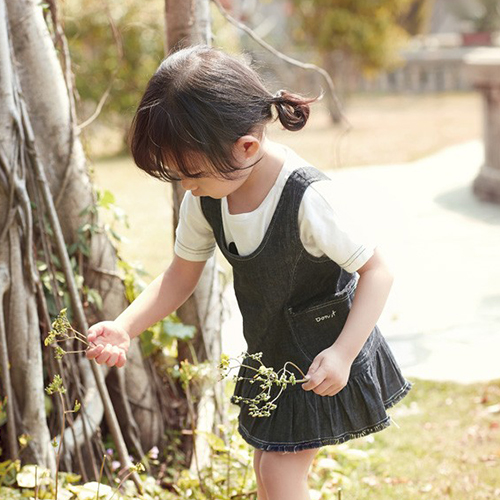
(328, 373)
(111, 344)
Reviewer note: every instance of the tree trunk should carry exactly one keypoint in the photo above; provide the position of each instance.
(188, 23)
(22, 373)
(41, 79)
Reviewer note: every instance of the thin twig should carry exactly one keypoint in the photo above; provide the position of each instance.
(288, 59)
(98, 108)
(193, 430)
(119, 48)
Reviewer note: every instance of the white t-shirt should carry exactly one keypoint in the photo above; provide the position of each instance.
(324, 228)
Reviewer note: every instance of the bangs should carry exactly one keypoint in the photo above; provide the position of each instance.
(165, 146)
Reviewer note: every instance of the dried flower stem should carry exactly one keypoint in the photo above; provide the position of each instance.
(264, 374)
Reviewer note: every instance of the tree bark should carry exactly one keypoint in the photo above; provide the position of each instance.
(23, 377)
(60, 151)
(188, 23)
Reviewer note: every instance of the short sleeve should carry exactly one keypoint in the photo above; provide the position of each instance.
(194, 238)
(327, 229)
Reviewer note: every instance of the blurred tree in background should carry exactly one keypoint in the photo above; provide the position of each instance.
(356, 36)
(117, 43)
(415, 19)
(365, 31)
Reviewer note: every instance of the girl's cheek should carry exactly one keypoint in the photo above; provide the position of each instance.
(188, 185)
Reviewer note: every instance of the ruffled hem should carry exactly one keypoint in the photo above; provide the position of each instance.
(326, 441)
(304, 419)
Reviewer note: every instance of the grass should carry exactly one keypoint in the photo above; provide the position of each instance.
(447, 446)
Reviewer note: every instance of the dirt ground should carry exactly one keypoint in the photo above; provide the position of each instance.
(386, 129)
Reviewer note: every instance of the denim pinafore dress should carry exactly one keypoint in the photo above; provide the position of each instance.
(294, 306)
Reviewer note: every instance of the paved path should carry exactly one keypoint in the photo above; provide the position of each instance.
(442, 318)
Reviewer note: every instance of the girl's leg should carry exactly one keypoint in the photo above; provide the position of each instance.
(284, 475)
(261, 492)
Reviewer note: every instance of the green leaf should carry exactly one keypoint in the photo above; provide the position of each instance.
(94, 297)
(214, 441)
(70, 477)
(115, 235)
(56, 261)
(10, 493)
(106, 198)
(84, 248)
(72, 248)
(41, 265)
(60, 277)
(179, 330)
(147, 343)
(88, 491)
(86, 227)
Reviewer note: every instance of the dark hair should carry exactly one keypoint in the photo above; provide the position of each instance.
(197, 105)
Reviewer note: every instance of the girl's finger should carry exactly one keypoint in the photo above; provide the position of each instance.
(113, 359)
(332, 390)
(93, 352)
(104, 356)
(315, 380)
(323, 388)
(94, 332)
(122, 359)
(314, 366)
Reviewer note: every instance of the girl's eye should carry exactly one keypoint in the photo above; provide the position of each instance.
(174, 176)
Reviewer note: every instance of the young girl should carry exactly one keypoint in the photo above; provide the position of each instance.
(310, 289)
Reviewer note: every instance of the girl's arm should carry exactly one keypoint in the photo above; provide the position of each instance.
(329, 371)
(373, 287)
(163, 295)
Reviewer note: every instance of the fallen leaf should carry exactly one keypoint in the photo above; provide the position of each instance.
(27, 478)
(493, 408)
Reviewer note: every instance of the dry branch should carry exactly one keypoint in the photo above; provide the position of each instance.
(339, 114)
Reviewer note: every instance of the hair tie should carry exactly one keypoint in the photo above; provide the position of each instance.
(278, 95)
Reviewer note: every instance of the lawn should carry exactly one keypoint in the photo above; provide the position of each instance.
(447, 446)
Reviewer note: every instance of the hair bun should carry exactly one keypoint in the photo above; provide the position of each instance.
(293, 109)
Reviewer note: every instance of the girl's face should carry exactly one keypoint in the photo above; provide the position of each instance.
(215, 187)
(245, 151)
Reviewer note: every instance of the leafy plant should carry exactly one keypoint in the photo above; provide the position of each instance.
(57, 387)
(262, 404)
(61, 332)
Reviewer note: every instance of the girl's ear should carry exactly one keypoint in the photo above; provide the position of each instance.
(246, 147)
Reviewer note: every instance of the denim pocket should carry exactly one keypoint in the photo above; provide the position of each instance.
(316, 326)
